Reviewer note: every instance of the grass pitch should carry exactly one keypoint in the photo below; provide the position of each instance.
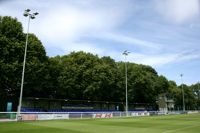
(156, 124)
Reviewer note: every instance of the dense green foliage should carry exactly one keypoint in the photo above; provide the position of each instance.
(12, 43)
(78, 75)
(156, 124)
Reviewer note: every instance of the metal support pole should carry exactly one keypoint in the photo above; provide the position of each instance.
(30, 16)
(183, 94)
(125, 53)
(126, 88)
(23, 71)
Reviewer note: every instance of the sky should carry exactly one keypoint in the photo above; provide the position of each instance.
(164, 34)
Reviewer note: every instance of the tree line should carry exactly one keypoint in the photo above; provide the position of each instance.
(78, 75)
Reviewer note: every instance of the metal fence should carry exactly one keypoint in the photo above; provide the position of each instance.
(31, 116)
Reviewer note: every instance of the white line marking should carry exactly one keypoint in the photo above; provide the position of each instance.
(171, 131)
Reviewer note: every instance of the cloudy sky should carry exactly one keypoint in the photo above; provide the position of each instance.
(162, 33)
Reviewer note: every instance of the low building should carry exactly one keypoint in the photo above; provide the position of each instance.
(165, 104)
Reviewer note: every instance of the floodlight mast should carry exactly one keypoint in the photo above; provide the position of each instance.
(198, 90)
(30, 16)
(183, 96)
(125, 53)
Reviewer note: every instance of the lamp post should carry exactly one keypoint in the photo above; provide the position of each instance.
(198, 95)
(30, 16)
(198, 90)
(125, 53)
(183, 93)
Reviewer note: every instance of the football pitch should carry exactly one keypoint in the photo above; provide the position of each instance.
(154, 124)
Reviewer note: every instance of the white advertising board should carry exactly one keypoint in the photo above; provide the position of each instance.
(45, 116)
(145, 113)
(52, 116)
(61, 116)
(103, 115)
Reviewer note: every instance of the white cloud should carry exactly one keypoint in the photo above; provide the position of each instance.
(86, 47)
(91, 25)
(132, 41)
(157, 60)
(163, 59)
(63, 25)
(179, 11)
(71, 23)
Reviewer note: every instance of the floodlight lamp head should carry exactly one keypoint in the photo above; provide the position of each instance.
(27, 10)
(33, 16)
(126, 52)
(26, 14)
(36, 13)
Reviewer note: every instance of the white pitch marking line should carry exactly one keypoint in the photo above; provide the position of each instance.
(170, 131)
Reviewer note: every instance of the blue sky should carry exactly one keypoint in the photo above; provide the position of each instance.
(162, 33)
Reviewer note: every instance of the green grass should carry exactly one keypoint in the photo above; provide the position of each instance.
(157, 124)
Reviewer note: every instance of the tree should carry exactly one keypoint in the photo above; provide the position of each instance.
(12, 41)
(36, 71)
(52, 86)
(11, 37)
(76, 76)
(79, 75)
(196, 91)
(144, 84)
